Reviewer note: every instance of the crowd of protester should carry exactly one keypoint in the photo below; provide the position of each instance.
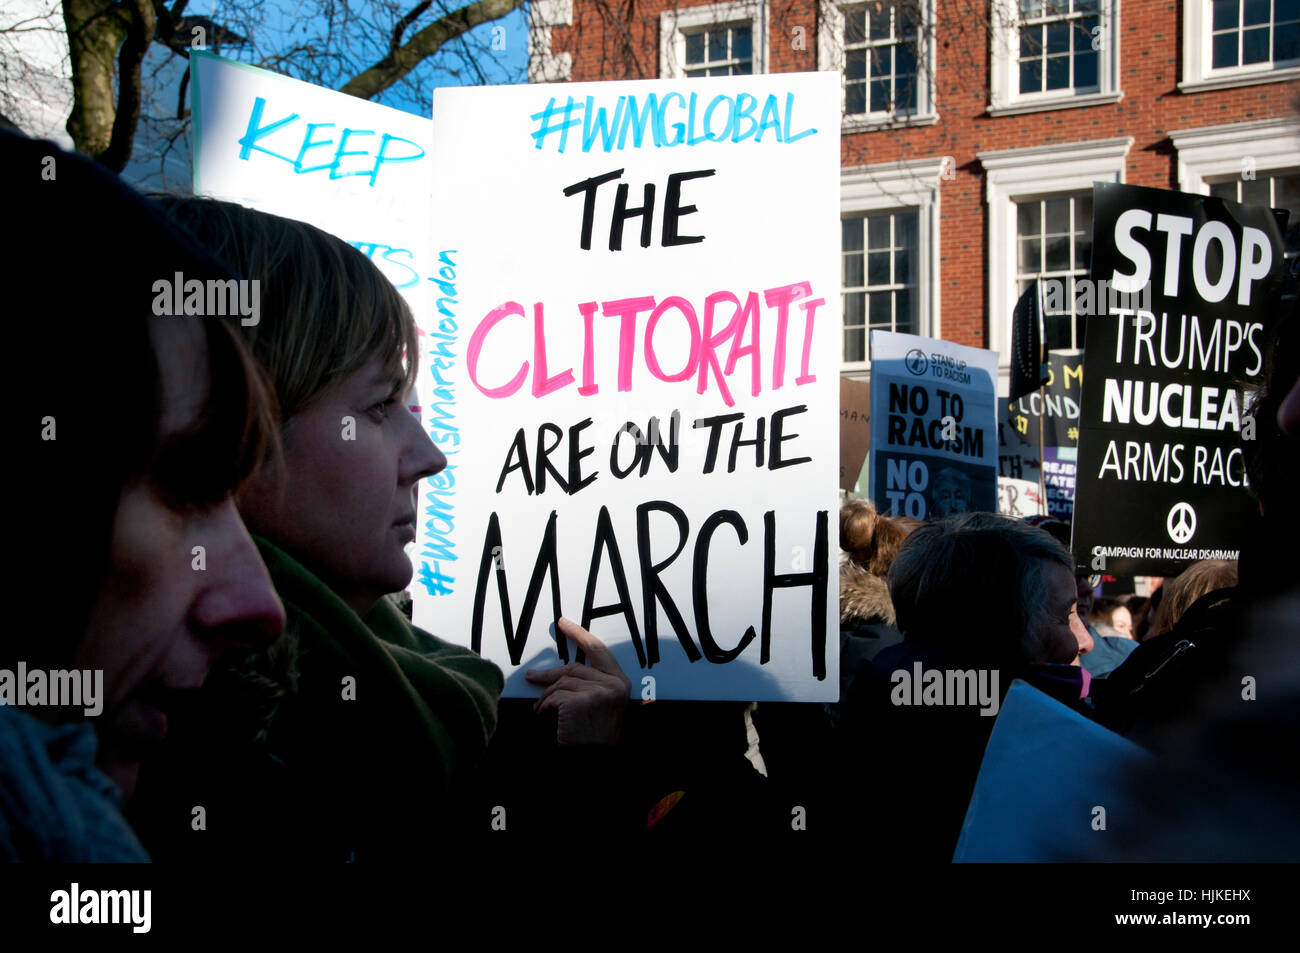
(227, 727)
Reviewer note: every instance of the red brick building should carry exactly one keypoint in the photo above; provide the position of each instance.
(974, 129)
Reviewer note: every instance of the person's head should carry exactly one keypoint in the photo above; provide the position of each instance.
(1103, 609)
(340, 347)
(1085, 596)
(1273, 452)
(950, 493)
(138, 434)
(1195, 581)
(986, 588)
(871, 539)
(1121, 620)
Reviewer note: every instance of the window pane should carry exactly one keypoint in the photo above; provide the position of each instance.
(1254, 191)
(852, 271)
(695, 48)
(1085, 69)
(907, 21)
(878, 231)
(1254, 46)
(1082, 251)
(881, 310)
(905, 229)
(1058, 37)
(1031, 8)
(1225, 14)
(1029, 260)
(1058, 72)
(1083, 33)
(855, 24)
(1031, 77)
(1058, 254)
(854, 339)
(880, 61)
(1286, 42)
(855, 98)
(1027, 218)
(1086, 6)
(851, 234)
(880, 23)
(905, 311)
(1225, 190)
(855, 310)
(1255, 12)
(1225, 50)
(717, 44)
(1031, 43)
(1286, 194)
(878, 268)
(743, 69)
(1083, 213)
(905, 94)
(904, 59)
(741, 47)
(1058, 216)
(1056, 328)
(903, 267)
(880, 95)
(855, 64)
(1285, 10)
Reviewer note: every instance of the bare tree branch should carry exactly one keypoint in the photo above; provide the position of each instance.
(397, 64)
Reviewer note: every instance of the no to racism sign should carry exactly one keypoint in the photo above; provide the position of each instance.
(634, 373)
(934, 439)
(1161, 479)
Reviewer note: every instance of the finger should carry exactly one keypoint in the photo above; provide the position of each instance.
(567, 684)
(544, 676)
(555, 700)
(598, 655)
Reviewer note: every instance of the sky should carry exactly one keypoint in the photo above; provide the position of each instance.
(157, 167)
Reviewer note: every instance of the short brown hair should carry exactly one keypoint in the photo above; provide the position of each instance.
(330, 309)
(1194, 581)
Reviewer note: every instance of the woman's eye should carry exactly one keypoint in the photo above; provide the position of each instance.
(380, 410)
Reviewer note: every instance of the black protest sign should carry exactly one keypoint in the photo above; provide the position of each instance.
(1161, 479)
(1056, 410)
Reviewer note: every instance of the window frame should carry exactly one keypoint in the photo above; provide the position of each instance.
(1068, 275)
(896, 186)
(1033, 172)
(545, 65)
(1005, 98)
(675, 24)
(1199, 74)
(1216, 152)
(830, 56)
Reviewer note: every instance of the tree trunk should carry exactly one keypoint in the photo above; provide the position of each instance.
(96, 29)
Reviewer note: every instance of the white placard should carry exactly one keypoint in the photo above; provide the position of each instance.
(353, 168)
(713, 302)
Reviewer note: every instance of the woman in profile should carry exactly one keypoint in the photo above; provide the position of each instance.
(136, 433)
(366, 729)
